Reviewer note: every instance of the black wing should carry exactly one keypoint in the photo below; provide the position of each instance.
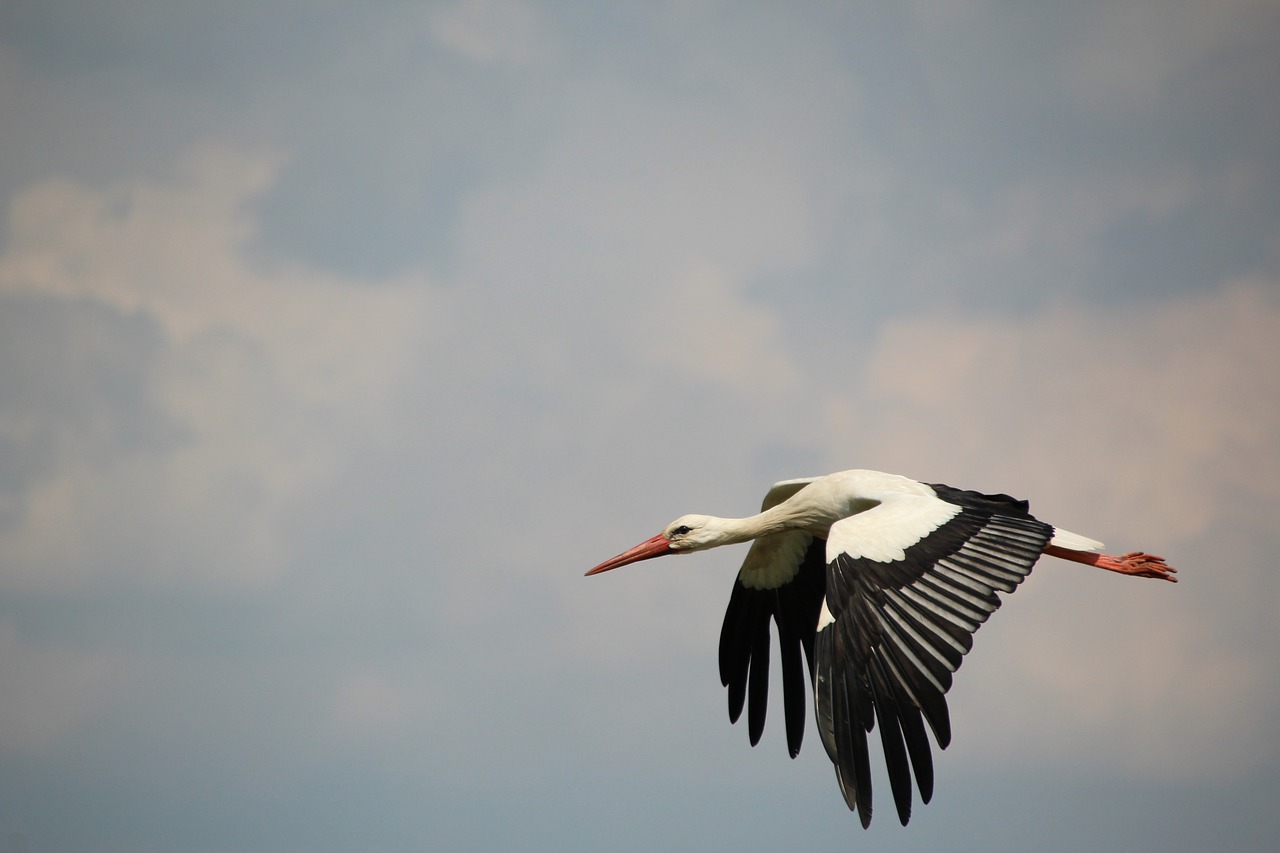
(892, 633)
(790, 595)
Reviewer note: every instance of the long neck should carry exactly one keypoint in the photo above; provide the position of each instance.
(773, 520)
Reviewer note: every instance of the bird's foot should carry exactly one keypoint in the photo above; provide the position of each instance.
(1138, 564)
(1134, 563)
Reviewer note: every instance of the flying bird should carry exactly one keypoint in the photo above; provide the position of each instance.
(881, 581)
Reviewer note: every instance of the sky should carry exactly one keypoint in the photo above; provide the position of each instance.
(337, 341)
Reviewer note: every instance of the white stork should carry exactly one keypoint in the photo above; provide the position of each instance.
(884, 609)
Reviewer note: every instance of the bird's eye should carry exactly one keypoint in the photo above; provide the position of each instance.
(681, 530)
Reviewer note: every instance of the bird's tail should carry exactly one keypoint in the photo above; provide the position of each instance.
(1074, 541)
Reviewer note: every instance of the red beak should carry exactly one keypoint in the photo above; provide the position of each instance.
(646, 550)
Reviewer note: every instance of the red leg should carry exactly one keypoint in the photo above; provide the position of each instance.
(1134, 563)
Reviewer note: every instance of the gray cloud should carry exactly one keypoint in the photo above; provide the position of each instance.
(334, 348)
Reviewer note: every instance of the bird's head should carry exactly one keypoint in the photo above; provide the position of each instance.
(686, 534)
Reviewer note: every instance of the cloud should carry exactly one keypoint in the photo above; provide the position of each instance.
(48, 692)
(320, 513)
(1147, 426)
(1150, 427)
(491, 31)
(1160, 408)
(259, 375)
(365, 705)
(1139, 54)
(708, 330)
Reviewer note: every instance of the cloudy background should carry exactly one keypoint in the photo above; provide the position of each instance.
(337, 341)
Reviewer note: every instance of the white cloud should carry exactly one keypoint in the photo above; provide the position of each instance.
(267, 371)
(1154, 412)
(707, 330)
(642, 187)
(675, 268)
(1150, 427)
(492, 31)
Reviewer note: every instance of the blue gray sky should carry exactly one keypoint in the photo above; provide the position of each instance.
(337, 341)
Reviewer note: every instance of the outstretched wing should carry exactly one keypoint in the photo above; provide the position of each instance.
(908, 583)
(782, 580)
